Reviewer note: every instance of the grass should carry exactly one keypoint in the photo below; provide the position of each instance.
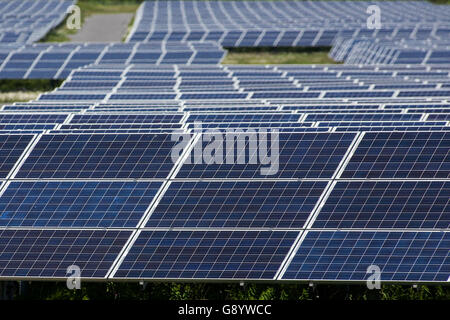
(89, 7)
(27, 85)
(263, 55)
(12, 90)
(11, 97)
(130, 26)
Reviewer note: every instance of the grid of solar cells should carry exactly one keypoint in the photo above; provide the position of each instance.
(34, 253)
(78, 204)
(99, 156)
(206, 255)
(236, 204)
(401, 155)
(345, 255)
(11, 148)
(386, 205)
(295, 155)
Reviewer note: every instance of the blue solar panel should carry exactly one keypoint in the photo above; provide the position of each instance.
(300, 155)
(238, 204)
(48, 253)
(31, 118)
(363, 117)
(402, 204)
(75, 204)
(99, 156)
(11, 148)
(287, 95)
(346, 255)
(126, 118)
(206, 255)
(69, 97)
(236, 117)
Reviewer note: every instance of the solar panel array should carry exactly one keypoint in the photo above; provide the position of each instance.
(365, 51)
(26, 21)
(363, 175)
(56, 61)
(194, 32)
(285, 23)
(357, 169)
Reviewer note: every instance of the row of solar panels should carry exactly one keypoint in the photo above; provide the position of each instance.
(379, 155)
(191, 95)
(130, 84)
(27, 21)
(304, 37)
(243, 226)
(226, 255)
(47, 61)
(285, 23)
(365, 51)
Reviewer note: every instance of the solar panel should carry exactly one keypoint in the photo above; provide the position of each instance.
(401, 155)
(346, 255)
(386, 205)
(47, 254)
(299, 155)
(12, 147)
(99, 156)
(75, 204)
(206, 255)
(125, 118)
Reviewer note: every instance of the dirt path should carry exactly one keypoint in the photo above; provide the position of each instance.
(103, 28)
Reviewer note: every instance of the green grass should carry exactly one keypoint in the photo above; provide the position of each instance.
(89, 7)
(264, 55)
(21, 85)
(12, 90)
(130, 26)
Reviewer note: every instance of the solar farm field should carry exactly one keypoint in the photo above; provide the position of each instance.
(158, 161)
